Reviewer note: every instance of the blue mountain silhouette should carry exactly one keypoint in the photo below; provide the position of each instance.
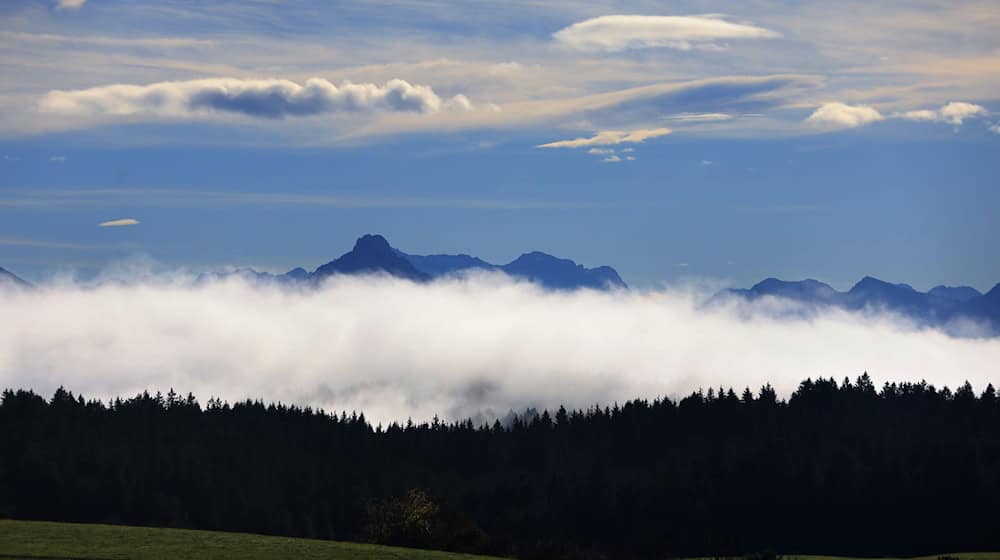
(563, 274)
(540, 268)
(936, 307)
(371, 254)
(955, 293)
(804, 290)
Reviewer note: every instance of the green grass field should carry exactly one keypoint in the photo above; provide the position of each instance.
(39, 539)
(60, 541)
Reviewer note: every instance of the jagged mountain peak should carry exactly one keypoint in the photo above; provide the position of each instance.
(371, 254)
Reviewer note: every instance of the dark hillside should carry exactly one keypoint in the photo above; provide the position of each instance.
(837, 469)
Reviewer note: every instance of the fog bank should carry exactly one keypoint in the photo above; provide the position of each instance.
(459, 347)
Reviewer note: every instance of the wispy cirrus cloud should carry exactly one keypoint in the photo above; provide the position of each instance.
(269, 99)
(904, 55)
(51, 39)
(614, 33)
(610, 138)
(10, 241)
(183, 198)
(701, 117)
(618, 109)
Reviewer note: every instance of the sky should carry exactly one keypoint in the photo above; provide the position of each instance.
(676, 141)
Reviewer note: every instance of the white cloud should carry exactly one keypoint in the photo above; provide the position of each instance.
(957, 111)
(395, 349)
(612, 159)
(836, 116)
(121, 222)
(620, 32)
(994, 127)
(70, 4)
(600, 151)
(57, 159)
(953, 113)
(610, 138)
(256, 98)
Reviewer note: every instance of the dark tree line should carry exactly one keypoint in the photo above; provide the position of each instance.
(836, 469)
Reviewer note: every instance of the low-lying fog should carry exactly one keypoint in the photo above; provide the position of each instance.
(460, 347)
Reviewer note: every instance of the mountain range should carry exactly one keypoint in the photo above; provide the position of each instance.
(372, 253)
(941, 306)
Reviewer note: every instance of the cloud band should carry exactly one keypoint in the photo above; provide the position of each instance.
(271, 99)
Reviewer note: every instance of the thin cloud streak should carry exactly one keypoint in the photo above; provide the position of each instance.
(178, 198)
(610, 138)
(46, 244)
(119, 223)
(103, 41)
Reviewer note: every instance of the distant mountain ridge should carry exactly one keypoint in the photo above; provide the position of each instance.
(541, 268)
(939, 306)
(8, 277)
(372, 254)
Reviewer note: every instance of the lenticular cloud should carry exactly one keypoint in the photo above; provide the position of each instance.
(477, 347)
(620, 32)
(255, 98)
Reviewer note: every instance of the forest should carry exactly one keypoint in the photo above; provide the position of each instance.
(836, 468)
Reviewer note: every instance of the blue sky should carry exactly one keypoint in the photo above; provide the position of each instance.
(686, 140)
